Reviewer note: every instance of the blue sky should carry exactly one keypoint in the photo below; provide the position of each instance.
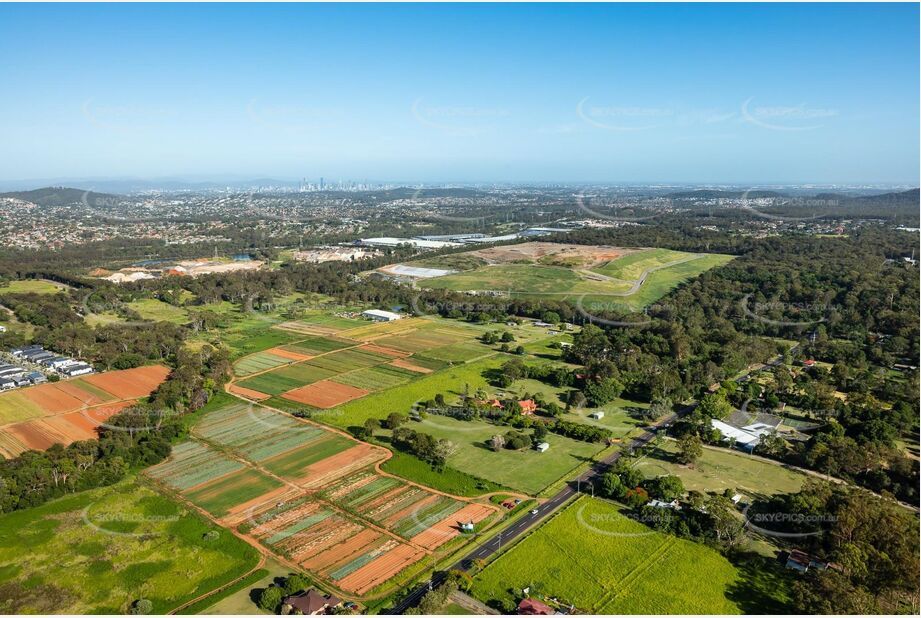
(824, 93)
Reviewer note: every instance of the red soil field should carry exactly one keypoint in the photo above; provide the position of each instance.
(295, 356)
(64, 429)
(340, 464)
(369, 347)
(340, 553)
(130, 383)
(415, 507)
(325, 394)
(448, 528)
(380, 569)
(405, 364)
(247, 392)
(51, 399)
(36, 435)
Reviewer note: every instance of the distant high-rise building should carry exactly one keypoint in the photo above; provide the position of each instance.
(321, 183)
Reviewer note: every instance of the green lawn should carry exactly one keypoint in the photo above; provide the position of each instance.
(97, 551)
(448, 480)
(159, 311)
(524, 280)
(718, 470)
(528, 471)
(33, 286)
(593, 556)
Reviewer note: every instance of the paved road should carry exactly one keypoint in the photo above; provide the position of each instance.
(548, 508)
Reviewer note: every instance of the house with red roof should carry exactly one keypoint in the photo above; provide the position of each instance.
(533, 607)
(528, 407)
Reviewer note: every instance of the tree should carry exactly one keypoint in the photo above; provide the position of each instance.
(727, 525)
(507, 337)
(270, 599)
(612, 486)
(372, 425)
(665, 488)
(600, 392)
(690, 449)
(395, 419)
(497, 443)
(714, 405)
(141, 607)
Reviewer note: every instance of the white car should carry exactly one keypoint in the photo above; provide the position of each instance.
(534, 512)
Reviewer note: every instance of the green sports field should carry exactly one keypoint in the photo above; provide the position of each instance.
(97, 551)
(594, 557)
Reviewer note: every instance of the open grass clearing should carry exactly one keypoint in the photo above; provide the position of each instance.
(528, 471)
(32, 286)
(592, 556)
(719, 469)
(99, 550)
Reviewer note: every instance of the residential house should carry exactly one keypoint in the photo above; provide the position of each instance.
(533, 607)
(310, 603)
(799, 560)
(528, 407)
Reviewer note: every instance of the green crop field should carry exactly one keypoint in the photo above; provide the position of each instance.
(260, 361)
(291, 465)
(594, 557)
(219, 496)
(319, 345)
(376, 378)
(281, 380)
(347, 360)
(97, 551)
(457, 353)
(402, 398)
(718, 470)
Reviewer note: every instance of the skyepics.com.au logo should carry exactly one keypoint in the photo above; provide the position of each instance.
(786, 525)
(294, 116)
(490, 302)
(785, 117)
(618, 313)
(624, 118)
(134, 419)
(617, 524)
(786, 209)
(613, 209)
(126, 524)
(777, 313)
(457, 120)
